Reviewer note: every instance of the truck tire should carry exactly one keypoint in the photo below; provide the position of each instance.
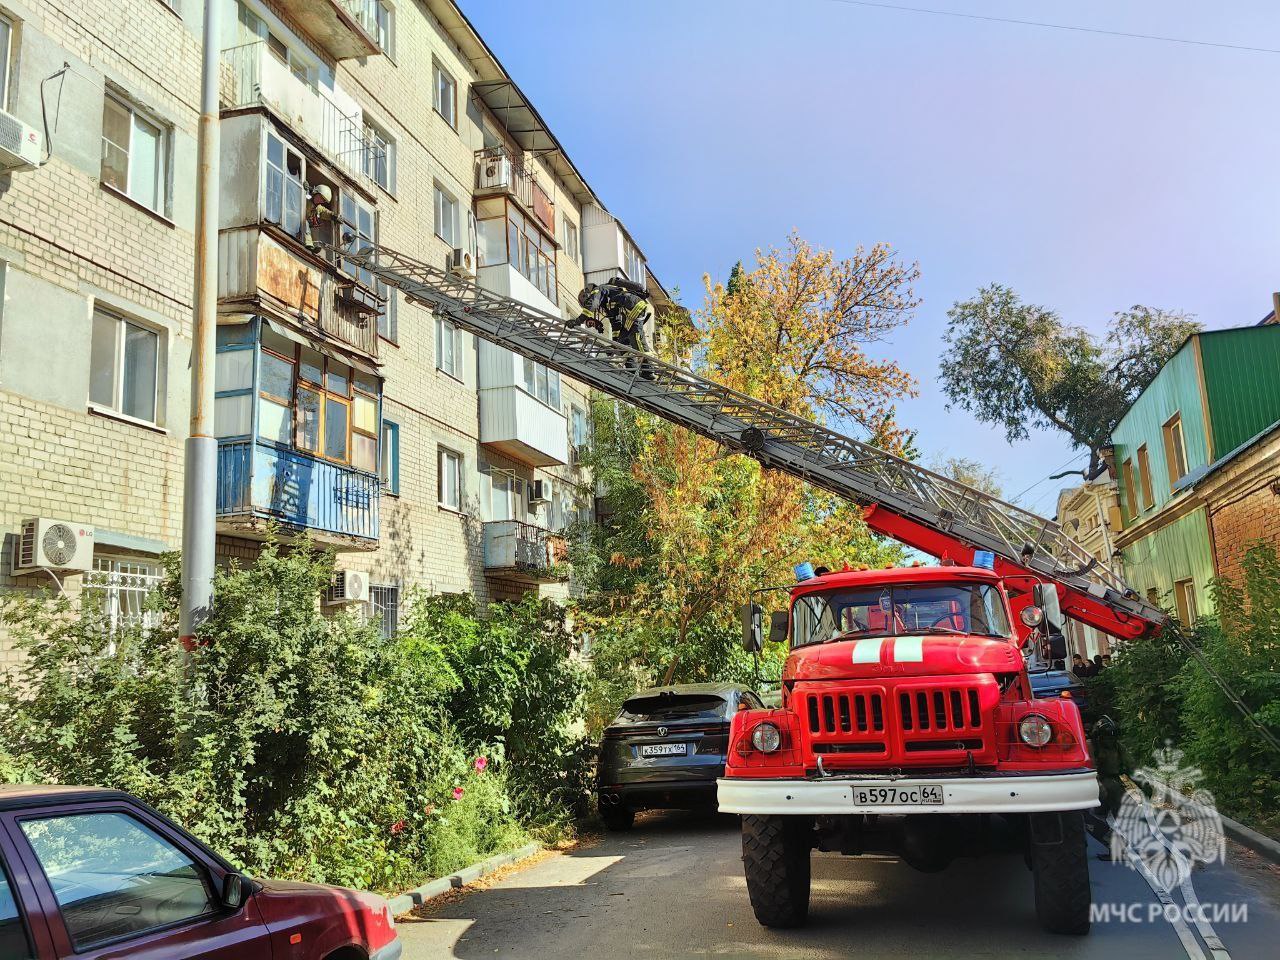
(775, 858)
(1060, 867)
(617, 819)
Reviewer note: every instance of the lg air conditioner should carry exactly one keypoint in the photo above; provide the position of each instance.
(348, 586)
(46, 544)
(20, 145)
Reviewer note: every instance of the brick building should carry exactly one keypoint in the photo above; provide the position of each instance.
(426, 458)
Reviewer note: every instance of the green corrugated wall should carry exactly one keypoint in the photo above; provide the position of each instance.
(1242, 377)
(1176, 551)
(1176, 389)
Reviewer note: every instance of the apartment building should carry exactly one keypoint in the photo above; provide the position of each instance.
(425, 458)
(1090, 513)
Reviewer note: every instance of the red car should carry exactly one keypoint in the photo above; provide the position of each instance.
(97, 875)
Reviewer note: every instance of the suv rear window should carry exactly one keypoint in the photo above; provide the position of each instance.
(675, 706)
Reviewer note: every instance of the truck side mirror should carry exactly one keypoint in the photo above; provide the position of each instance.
(779, 621)
(1045, 596)
(1057, 646)
(752, 627)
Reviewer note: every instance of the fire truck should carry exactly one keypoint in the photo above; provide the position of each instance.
(907, 721)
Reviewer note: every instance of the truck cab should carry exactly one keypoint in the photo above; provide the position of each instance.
(907, 719)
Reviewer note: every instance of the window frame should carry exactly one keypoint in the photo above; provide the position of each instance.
(6, 59)
(387, 46)
(439, 196)
(446, 326)
(1184, 601)
(1144, 477)
(389, 457)
(378, 135)
(1130, 487)
(445, 455)
(136, 114)
(200, 858)
(439, 72)
(571, 242)
(116, 407)
(394, 606)
(1175, 449)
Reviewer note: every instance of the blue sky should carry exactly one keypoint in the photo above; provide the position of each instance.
(1088, 172)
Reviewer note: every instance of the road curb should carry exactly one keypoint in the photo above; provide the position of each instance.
(420, 895)
(1263, 846)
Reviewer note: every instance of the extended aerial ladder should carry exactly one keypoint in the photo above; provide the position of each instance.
(925, 510)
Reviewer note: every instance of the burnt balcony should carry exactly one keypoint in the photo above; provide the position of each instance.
(521, 551)
(499, 171)
(343, 28)
(253, 76)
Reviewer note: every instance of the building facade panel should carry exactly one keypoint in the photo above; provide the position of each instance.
(1242, 380)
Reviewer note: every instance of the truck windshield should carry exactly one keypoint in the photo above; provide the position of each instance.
(975, 608)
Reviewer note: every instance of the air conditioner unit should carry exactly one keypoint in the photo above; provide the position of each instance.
(493, 172)
(462, 263)
(20, 145)
(46, 544)
(348, 586)
(539, 491)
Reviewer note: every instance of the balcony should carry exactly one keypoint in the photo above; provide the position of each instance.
(521, 551)
(343, 28)
(498, 171)
(259, 483)
(252, 76)
(523, 427)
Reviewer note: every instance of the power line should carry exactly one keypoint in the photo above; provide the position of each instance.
(1055, 26)
(1015, 497)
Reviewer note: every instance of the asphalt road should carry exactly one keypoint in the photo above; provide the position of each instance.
(673, 887)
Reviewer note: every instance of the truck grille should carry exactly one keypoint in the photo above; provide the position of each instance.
(899, 721)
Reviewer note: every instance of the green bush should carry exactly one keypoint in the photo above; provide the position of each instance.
(302, 745)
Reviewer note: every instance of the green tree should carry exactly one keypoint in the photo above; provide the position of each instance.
(970, 472)
(1018, 365)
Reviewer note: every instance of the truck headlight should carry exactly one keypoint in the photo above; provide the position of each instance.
(766, 737)
(1035, 730)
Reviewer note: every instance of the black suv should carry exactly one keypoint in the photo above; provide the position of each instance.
(666, 749)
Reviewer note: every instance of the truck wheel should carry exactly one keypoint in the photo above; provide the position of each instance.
(617, 818)
(1060, 866)
(775, 856)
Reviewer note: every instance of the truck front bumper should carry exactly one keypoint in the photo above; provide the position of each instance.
(983, 793)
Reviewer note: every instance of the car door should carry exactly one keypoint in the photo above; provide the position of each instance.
(23, 932)
(114, 881)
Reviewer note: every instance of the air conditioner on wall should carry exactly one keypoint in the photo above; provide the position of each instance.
(462, 263)
(46, 544)
(539, 491)
(20, 145)
(348, 586)
(493, 172)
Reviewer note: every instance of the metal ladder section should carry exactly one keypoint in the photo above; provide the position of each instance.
(778, 439)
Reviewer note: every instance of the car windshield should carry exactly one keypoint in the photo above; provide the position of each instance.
(899, 609)
(674, 706)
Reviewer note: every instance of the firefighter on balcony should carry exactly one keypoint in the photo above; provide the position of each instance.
(319, 209)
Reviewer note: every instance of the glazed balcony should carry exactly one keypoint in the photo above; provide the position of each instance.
(260, 482)
(522, 551)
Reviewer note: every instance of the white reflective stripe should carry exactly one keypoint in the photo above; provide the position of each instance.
(868, 650)
(908, 649)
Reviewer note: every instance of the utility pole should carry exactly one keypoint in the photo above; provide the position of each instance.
(199, 502)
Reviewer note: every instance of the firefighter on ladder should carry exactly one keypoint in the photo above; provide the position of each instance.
(626, 308)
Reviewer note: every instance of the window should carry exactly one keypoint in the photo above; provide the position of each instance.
(1144, 477)
(385, 603)
(448, 348)
(505, 235)
(569, 238)
(446, 217)
(445, 96)
(114, 877)
(379, 156)
(6, 43)
(283, 199)
(1184, 597)
(389, 318)
(124, 366)
(389, 464)
(1175, 450)
(580, 427)
(1130, 489)
(364, 423)
(251, 28)
(135, 154)
(632, 263)
(542, 383)
(899, 610)
(13, 932)
(119, 588)
(384, 21)
(358, 220)
(450, 482)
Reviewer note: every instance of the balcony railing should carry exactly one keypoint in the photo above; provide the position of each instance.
(523, 551)
(252, 76)
(260, 482)
(498, 170)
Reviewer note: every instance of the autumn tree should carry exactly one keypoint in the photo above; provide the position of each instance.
(692, 529)
(1018, 365)
(970, 472)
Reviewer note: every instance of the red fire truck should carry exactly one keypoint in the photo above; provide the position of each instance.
(907, 721)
